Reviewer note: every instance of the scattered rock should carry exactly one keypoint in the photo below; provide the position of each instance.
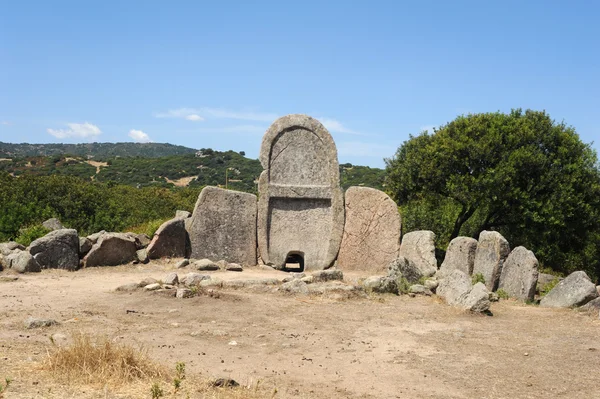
(184, 293)
(431, 284)
(419, 248)
(419, 289)
(371, 238)
(23, 262)
(169, 240)
(6, 248)
(594, 304)
(58, 249)
(460, 255)
(327, 275)
(234, 267)
(85, 245)
(205, 265)
(147, 281)
(402, 267)
(295, 287)
(152, 287)
(380, 285)
(182, 214)
(477, 300)
(142, 256)
(575, 290)
(193, 279)
(456, 289)
(492, 250)
(308, 279)
(171, 279)
(33, 322)
(128, 287)
(53, 224)
(225, 383)
(182, 263)
(112, 249)
(520, 274)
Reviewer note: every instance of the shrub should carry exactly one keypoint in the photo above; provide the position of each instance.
(502, 294)
(478, 278)
(548, 287)
(29, 234)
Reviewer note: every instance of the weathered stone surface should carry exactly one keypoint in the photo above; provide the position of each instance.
(33, 322)
(371, 238)
(594, 304)
(520, 274)
(131, 287)
(460, 255)
(295, 287)
(23, 262)
(234, 267)
(193, 279)
(457, 290)
(205, 265)
(96, 236)
(431, 284)
(152, 287)
(492, 250)
(53, 224)
(183, 214)
(419, 289)
(575, 290)
(169, 240)
(85, 245)
(141, 240)
(477, 300)
(6, 248)
(419, 248)
(171, 279)
(142, 256)
(223, 226)
(403, 268)
(111, 249)
(147, 281)
(380, 284)
(58, 249)
(327, 275)
(301, 206)
(182, 263)
(184, 293)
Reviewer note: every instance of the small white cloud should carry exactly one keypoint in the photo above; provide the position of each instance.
(139, 137)
(194, 117)
(336, 126)
(76, 130)
(6, 123)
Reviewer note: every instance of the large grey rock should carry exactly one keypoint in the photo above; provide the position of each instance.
(141, 240)
(403, 268)
(460, 255)
(575, 290)
(371, 237)
(112, 249)
(456, 289)
(223, 226)
(96, 236)
(520, 274)
(85, 245)
(6, 248)
(58, 249)
(492, 250)
(301, 206)
(419, 248)
(23, 262)
(170, 240)
(53, 224)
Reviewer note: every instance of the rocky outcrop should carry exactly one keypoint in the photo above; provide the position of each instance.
(170, 240)
(23, 262)
(575, 290)
(58, 249)
(492, 250)
(456, 289)
(419, 248)
(520, 274)
(111, 249)
(6, 248)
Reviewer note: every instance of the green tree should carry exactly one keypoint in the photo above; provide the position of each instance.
(521, 173)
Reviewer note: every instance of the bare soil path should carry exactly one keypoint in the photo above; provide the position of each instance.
(307, 347)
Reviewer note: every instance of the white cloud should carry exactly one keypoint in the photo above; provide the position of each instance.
(6, 123)
(234, 129)
(336, 126)
(139, 137)
(364, 149)
(77, 130)
(200, 114)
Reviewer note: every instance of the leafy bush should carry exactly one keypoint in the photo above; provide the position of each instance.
(502, 294)
(30, 234)
(477, 278)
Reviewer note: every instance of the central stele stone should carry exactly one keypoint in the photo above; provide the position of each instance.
(300, 206)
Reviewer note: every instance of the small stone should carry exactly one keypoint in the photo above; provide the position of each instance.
(233, 343)
(142, 256)
(419, 289)
(152, 287)
(147, 281)
(327, 275)
(53, 224)
(37, 323)
(182, 263)
(234, 267)
(184, 293)
(225, 383)
(431, 284)
(308, 279)
(193, 279)
(295, 287)
(205, 265)
(171, 279)
(128, 287)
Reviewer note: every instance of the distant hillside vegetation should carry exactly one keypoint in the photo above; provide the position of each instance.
(95, 150)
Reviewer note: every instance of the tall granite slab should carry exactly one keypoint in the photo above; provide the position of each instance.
(371, 239)
(301, 205)
(520, 274)
(492, 250)
(223, 226)
(419, 247)
(460, 255)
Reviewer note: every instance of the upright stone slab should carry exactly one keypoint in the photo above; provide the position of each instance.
(170, 240)
(301, 206)
(371, 237)
(520, 274)
(419, 247)
(223, 226)
(58, 249)
(460, 255)
(492, 250)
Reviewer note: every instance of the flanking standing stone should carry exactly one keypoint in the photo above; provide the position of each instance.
(419, 248)
(223, 226)
(520, 274)
(301, 205)
(170, 240)
(575, 290)
(112, 249)
(371, 237)
(58, 249)
(492, 250)
(460, 255)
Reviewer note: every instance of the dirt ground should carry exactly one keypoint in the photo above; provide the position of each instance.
(380, 346)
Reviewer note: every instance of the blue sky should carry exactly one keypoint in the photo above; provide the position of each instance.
(216, 74)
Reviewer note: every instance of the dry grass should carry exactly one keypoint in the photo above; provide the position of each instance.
(98, 360)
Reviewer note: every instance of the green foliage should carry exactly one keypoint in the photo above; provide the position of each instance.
(403, 285)
(29, 234)
(156, 391)
(521, 174)
(180, 370)
(95, 150)
(4, 388)
(477, 278)
(548, 286)
(353, 175)
(148, 228)
(502, 294)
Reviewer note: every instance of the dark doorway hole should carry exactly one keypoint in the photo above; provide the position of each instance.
(294, 262)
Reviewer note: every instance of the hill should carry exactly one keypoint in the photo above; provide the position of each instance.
(93, 150)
